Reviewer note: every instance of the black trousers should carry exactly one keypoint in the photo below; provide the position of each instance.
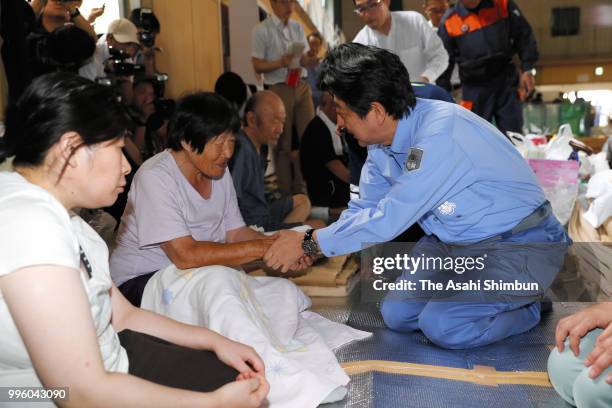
(168, 364)
(134, 288)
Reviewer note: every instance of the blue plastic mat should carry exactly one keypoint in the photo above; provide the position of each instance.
(526, 352)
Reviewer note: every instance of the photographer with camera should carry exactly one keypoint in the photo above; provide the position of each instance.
(148, 28)
(150, 113)
(60, 40)
(53, 14)
(115, 55)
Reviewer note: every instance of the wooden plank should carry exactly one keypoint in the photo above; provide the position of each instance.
(478, 375)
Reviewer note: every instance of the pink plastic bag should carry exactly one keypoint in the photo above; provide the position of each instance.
(559, 180)
(551, 172)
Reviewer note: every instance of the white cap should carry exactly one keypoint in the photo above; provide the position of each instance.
(124, 31)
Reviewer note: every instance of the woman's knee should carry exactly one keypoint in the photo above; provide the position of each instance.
(561, 376)
(592, 393)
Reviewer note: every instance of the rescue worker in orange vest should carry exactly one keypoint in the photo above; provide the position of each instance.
(482, 36)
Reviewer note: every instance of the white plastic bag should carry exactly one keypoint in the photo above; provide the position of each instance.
(558, 148)
(525, 145)
(600, 191)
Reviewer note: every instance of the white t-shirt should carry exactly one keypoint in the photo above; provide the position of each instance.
(270, 41)
(35, 229)
(95, 68)
(162, 206)
(412, 39)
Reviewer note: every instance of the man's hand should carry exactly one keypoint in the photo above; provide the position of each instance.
(304, 262)
(285, 60)
(579, 324)
(286, 251)
(527, 82)
(70, 6)
(266, 242)
(601, 357)
(95, 13)
(424, 79)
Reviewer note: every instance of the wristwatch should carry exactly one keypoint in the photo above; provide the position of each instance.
(309, 245)
(74, 14)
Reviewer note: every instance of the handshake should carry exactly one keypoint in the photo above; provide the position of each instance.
(284, 252)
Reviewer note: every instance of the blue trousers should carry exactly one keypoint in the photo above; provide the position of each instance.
(499, 101)
(466, 324)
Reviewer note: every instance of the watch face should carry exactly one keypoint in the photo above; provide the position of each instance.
(310, 247)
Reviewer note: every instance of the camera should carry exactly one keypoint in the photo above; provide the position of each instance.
(120, 66)
(146, 39)
(67, 48)
(149, 24)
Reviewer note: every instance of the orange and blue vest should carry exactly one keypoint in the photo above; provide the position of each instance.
(482, 41)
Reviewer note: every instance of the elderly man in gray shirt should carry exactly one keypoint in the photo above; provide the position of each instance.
(264, 118)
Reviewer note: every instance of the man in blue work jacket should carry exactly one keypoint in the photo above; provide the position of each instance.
(481, 37)
(437, 164)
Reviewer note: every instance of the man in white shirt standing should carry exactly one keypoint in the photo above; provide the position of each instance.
(404, 33)
(278, 52)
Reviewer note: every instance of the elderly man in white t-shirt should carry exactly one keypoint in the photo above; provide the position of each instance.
(278, 52)
(404, 33)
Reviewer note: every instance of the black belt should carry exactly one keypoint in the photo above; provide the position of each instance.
(532, 220)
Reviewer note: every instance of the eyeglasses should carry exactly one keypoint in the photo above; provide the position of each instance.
(361, 10)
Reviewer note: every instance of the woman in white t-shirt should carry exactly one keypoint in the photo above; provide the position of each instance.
(63, 324)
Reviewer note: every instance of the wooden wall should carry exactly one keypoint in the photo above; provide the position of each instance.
(574, 72)
(191, 39)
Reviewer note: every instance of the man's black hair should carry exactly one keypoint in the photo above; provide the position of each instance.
(151, 23)
(360, 75)
(231, 86)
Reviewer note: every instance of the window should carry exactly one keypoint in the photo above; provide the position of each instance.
(112, 11)
(565, 21)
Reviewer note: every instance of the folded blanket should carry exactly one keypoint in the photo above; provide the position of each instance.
(270, 315)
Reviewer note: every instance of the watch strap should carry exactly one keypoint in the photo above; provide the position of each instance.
(74, 14)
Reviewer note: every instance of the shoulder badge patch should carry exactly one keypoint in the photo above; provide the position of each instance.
(413, 162)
